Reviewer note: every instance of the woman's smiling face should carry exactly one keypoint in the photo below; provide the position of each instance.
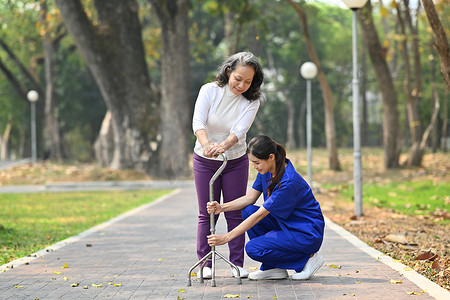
(263, 165)
(240, 79)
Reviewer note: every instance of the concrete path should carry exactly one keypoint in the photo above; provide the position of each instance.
(147, 253)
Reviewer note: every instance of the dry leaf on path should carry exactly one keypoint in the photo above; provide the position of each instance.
(231, 296)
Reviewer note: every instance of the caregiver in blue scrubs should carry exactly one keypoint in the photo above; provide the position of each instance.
(286, 232)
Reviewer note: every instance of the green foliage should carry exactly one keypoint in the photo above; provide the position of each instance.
(31, 222)
(421, 197)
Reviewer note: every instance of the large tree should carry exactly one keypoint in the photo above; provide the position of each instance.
(111, 43)
(330, 127)
(389, 95)
(175, 105)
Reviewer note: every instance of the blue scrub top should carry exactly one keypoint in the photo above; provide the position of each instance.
(295, 208)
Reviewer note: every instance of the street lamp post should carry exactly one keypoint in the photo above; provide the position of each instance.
(33, 96)
(308, 70)
(354, 5)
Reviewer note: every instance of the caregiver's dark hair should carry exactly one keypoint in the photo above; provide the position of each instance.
(261, 147)
(242, 59)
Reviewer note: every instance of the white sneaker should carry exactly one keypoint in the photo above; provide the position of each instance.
(207, 273)
(242, 272)
(269, 274)
(312, 266)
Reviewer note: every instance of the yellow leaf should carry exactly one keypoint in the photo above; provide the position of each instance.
(274, 297)
(65, 266)
(181, 291)
(110, 283)
(85, 287)
(74, 284)
(160, 259)
(2, 270)
(231, 296)
(413, 293)
(335, 266)
(249, 296)
(358, 282)
(57, 272)
(408, 269)
(253, 268)
(179, 298)
(97, 285)
(395, 281)
(117, 284)
(18, 286)
(193, 274)
(66, 278)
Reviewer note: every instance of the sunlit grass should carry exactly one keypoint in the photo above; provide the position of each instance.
(31, 222)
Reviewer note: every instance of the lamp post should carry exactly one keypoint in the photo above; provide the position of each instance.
(33, 96)
(354, 5)
(308, 70)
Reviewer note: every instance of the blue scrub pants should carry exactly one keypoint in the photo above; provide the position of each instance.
(271, 246)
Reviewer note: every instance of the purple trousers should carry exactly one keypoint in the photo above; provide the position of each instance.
(232, 184)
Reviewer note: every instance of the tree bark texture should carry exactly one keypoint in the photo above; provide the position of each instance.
(113, 49)
(52, 130)
(176, 113)
(389, 95)
(330, 127)
(440, 38)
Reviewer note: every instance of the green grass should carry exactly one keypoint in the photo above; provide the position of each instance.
(421, 197)
(31, 222)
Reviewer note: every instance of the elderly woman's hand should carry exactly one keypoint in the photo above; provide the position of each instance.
(214, 207)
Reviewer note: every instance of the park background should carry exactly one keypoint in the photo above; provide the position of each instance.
(117, 82)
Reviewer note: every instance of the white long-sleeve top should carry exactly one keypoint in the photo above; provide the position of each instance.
(221, 113)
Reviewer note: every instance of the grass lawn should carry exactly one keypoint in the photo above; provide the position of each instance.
(419, 197)
(30, 222)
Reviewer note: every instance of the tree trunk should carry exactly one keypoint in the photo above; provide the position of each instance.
(389, 95)
(52, 131)
(330, 127)
(440, 38)
(104, 144)
(4, 141)
(175, 105)
(113, 50)
(444, 137)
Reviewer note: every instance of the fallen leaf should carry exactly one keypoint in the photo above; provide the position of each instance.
(335, 266)
(193, 274)
(97, 285)
(395, 281)
(57, 272)
(85, 287)
(18, 286)
(231, 296)
(425, 255)
(180, 298)
(358, 282)
(117, 284)
(274, 297)
(413, 293)
(181, 291)
(65, 266)
(253, 268)
(160, 259)
(249, 296)
(396, 238)
(74, 284)
(66, 278)
(436, 265)
(408, 269)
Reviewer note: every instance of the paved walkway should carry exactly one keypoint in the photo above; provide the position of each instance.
(146, 254)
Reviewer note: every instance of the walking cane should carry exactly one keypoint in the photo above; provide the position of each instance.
(213, 253)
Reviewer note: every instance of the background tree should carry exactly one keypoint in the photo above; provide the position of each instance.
(389, 95)
(175, 106)
(116, 58)
(330, 128)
